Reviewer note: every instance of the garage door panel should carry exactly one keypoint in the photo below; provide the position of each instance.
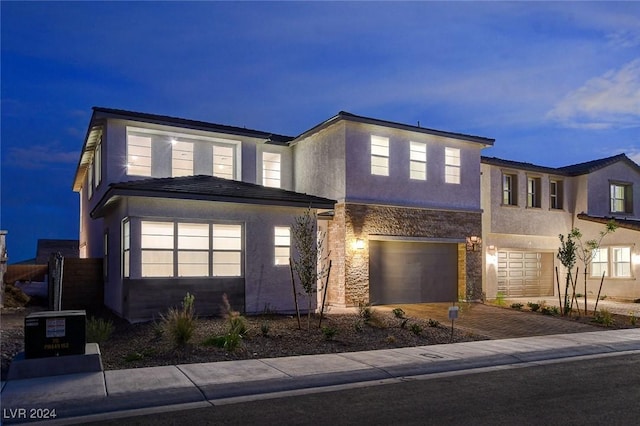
(412, 272)
(532, 275)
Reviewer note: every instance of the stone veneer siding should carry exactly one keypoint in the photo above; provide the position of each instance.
(349, 280)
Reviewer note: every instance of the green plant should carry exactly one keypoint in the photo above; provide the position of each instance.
(369, 316)
(433, 323)
(550, 310)
(533, 306)
(236, 326)
(603, 297)
(264, 328)
(99, 330)
(358, 325)
(403, 323)
(603, 317)
(138, 356)
(415, 329)
(217, 341)
(398, 313)
(632, 318)
(500, 299)
(329, 332)
(181, 323)
(517, 306)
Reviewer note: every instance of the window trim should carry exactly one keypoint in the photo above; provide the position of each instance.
(627, 200)
(510, 190)
(534, 192)
(610, 263)
(557, 195)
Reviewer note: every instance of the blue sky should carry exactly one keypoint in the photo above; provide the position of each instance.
(554, 83)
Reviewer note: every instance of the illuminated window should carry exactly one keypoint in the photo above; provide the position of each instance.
(126, 248)
(193, 249)
(271, 169)
(156, 245)
(452, 165)
(227, 250)
(138, 155)
(533, 192)
(614, 262)
(418, 161)
(556, 189)
(379, 156)
(223, 165)
(600, 263)
(621, 198)
(282, 245)
(181, 158)
(509, 189)
(97, 160)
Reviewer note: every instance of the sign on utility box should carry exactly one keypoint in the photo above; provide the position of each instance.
(54, 333)
(453, 313)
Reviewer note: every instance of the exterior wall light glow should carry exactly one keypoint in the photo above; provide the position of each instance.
(474, 243)
(359, 244)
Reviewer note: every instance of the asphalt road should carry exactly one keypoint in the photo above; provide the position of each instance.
(595, 391)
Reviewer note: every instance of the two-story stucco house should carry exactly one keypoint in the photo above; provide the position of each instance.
(526, 207)
(175, 205)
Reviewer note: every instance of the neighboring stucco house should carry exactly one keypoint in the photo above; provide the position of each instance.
(526, 207)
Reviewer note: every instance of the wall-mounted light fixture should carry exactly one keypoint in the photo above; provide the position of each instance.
(359, 244)
(474, 243)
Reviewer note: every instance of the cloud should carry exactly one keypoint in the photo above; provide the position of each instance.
(41, 156)
(609, 101)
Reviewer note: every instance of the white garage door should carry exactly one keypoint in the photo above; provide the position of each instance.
(412, 272)
(523, 273)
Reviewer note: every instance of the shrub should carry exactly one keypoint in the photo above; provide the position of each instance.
(550, 310)
(236, 326)
(533, 306)
(632, 318)
(99, 330)
(358, 325)
(398, 313)
(369, 316)
(181, 323)
(517, 306)
(329, 332)
(433, 323)
(391, 340)
(415, 329)
(500, 299)
(604, 317)
(217, 341)
(264, 328)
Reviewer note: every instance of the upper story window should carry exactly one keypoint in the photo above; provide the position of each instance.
(282, 244)
(97, 160)
(533, 192)
(223, 164)
(138, 155)
(621, 196)
(379, 156)
(452, 165)
(181, 158)
(418, 160)
(556, 194)
(509, 189)
(271, 169)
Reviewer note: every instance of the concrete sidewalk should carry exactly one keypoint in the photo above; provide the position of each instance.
(116, 390)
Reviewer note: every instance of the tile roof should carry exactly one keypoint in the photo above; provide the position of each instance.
(572, 170)
(633, 224)
(195, 124)
(211, 188)
(343, 115)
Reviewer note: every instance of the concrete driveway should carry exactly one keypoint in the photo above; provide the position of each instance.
(493, 321)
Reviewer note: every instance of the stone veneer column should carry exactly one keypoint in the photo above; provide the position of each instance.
(336, 245)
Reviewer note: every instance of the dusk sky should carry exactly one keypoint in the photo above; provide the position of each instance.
(554, 83)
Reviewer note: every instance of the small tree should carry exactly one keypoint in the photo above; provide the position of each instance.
(587, 250)
(567, 256)
(308, 244)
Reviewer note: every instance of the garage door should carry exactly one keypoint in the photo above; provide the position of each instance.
(522, 273)
(412, 272)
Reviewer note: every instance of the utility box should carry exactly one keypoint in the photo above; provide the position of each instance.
(453, 313)
(55, 333)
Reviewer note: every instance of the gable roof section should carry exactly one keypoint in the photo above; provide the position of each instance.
(347, 116)
(210, 188)
(632, 224)
(572, 170)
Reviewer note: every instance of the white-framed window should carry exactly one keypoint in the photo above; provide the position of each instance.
(181, 158)
(138, 154)
(533, 192)
(614, 262)
(126, 248)
(90, 180)
(417, 160)
(282, 244)
(97, 159)
(556, 192)
(452, 165)
(621, 196)
(156, 246)
(509, 189)
(271, 169)
(193, 249)
(379, 155)
(227, 250)
(223, 163)
(105, 255)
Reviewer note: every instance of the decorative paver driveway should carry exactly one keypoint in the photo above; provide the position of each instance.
(495, 322)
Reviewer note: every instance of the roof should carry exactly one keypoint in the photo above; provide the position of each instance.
(347, 116)
(633, 224)
(210, 188)
(572, 170)
(100, 114)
